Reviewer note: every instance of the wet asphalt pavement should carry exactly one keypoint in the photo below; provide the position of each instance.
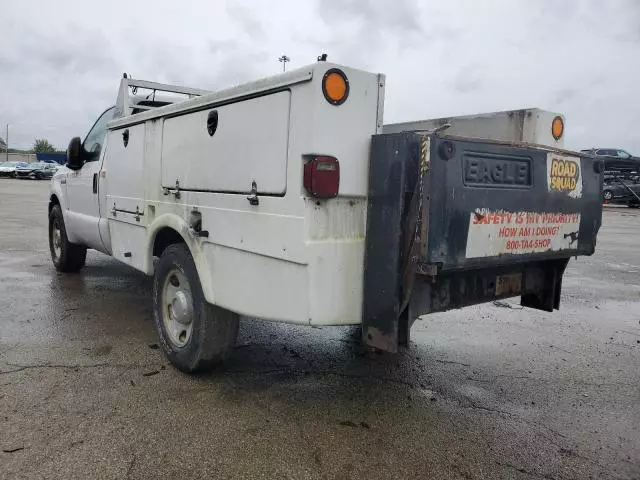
(484, 392)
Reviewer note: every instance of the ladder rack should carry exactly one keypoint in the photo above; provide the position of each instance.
(128, 102)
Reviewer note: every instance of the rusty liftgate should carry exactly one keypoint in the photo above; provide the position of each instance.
(454, 221)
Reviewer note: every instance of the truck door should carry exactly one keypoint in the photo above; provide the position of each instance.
(83, 206)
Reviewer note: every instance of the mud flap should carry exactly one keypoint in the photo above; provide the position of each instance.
(393, 176)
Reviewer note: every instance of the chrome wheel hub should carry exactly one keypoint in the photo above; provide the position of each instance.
(177, 308)
(56, 240)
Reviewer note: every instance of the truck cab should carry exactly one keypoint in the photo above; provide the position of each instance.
(284, 199)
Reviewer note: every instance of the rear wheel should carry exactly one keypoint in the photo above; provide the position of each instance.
(607, 195)
(195, 335)
(66, 257)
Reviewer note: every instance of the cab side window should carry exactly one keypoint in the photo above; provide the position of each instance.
(96, 136)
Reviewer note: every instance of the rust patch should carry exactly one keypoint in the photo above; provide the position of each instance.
(479, 216)
(509, 284)
(374, 337)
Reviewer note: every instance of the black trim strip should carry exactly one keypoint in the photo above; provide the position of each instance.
(208, 106)
(139, 214)
(227, 192)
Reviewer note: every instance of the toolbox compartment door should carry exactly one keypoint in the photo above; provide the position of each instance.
(454, 221)
(226, 148)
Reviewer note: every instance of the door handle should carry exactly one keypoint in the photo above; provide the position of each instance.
(95, 183)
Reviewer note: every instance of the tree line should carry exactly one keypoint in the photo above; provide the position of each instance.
(40, 145)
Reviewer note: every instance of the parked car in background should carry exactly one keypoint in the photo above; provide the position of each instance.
(621, 190)
(616, 159)
(8, 169)
(36, 170)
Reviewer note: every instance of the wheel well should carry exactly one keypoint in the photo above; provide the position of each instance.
(165, 237)
(53, 201)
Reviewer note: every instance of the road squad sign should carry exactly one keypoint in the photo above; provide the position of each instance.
(564, 174)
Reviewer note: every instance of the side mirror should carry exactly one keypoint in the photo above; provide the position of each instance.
(74, 154)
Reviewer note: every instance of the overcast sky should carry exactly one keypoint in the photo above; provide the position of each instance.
(60, 62)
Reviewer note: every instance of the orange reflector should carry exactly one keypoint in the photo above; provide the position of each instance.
(335, 86)
(557, 127)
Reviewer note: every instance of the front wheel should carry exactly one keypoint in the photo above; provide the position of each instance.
(607, 195)
(195, 335)
(66, 257)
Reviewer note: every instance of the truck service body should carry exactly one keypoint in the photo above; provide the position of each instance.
(287, 199)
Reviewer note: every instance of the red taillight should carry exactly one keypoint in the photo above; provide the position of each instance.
(322, 177)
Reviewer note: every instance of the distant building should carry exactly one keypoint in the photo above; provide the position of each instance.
(58, 157)
(18, 157)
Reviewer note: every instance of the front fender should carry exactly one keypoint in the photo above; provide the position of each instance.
(57, 189)
(58, 194)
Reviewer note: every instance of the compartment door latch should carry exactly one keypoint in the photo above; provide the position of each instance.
(172, 191)
(253, 194)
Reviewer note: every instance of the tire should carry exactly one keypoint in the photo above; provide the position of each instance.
(194, 335)
(607, 195)
(66, 257)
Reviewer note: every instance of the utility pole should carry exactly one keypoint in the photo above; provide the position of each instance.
(284, 59)
(6, 145)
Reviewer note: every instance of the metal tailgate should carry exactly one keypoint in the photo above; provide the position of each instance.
(454, 221)
(495, 203)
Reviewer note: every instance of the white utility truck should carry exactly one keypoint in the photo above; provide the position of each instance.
(284, 199)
